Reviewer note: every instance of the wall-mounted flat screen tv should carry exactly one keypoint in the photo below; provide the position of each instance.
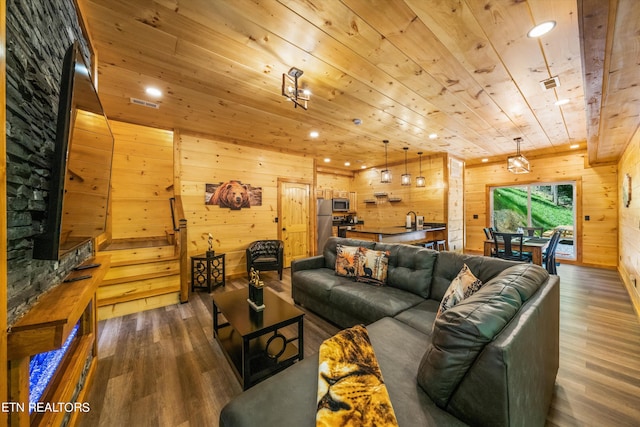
(78, 196)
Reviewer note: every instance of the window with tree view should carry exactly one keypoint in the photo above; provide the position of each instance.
(549, 206)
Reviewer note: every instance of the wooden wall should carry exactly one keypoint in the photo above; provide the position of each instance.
(597, 198)
(430, 201)
(629, 222)
(206, 161)
(141, 181)
(455, 210)
(334, 181)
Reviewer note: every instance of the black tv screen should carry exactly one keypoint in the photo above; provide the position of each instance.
(81, 172)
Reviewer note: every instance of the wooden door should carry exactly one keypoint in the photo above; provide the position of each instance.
(295, 219)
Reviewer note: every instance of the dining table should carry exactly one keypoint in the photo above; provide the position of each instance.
(534, 245)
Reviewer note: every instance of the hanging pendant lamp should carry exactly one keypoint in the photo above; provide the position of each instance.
(405, 179)
(420, 181)
(518, 163)
(385, 175)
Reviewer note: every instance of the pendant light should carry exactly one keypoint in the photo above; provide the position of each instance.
(420, 181)
(405, 179)
(518, 164)
(385, 176)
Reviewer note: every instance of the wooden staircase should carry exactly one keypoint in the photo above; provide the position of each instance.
(144, 274)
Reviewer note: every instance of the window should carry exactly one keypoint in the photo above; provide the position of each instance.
(547, 205)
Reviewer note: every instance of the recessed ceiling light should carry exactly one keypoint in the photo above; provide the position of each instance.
(327, 160)
(314, 134)
(363, 167)
(433, 136)
(560, 102)
(541, 29)
(153, 91)
(347, 164)
(485, 160)
(573, 146)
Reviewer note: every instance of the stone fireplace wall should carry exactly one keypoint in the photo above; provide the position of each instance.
(38, 35)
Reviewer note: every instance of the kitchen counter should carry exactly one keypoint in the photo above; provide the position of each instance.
(399, 234)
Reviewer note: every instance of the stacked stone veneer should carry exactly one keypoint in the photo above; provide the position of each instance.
(38, 35)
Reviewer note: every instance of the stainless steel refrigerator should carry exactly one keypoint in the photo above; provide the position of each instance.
(325, 222)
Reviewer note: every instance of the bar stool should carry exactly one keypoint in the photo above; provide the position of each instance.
(441, 245)
(430, 245)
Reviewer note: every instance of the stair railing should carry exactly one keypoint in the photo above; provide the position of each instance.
(177, 211)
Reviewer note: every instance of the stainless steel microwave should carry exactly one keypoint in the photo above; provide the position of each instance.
(340, 205)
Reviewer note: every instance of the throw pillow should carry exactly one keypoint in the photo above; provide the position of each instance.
(463, 286)
(371, 266)
(346, 259)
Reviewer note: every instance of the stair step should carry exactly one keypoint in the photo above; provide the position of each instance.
(129, 272)
(138, 289)
(133, 255)
(136, 242)
(137, 305)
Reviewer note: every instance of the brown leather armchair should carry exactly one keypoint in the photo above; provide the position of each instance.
(265, 255)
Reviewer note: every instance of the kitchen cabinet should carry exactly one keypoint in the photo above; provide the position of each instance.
(353, 201)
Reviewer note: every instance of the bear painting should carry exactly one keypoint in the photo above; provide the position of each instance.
(233, 195)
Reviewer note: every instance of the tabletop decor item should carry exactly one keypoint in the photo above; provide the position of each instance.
(256, 288)
(626, 190)
(210, 251)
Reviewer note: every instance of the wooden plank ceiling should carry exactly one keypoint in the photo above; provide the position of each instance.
(462, 69)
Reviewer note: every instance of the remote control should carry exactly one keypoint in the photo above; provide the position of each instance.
(88, 266)
(77, 278)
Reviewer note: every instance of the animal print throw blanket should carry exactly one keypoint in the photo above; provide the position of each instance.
(351, 391)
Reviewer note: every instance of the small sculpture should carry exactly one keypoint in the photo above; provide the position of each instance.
(210, 251)
(255, 278)
(256, 286)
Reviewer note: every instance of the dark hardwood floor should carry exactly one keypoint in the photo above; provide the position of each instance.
(163, 368)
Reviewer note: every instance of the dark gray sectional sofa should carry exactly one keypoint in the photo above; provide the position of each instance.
(491, 360)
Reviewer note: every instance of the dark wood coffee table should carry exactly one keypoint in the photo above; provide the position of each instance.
(251, 340)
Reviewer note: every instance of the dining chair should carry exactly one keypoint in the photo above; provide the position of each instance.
(549, 256)
(533, 231)
(488, 232)
(509, 246)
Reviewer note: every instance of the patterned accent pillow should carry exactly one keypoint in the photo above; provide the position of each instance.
(463, 286)
(346, 260)
(372, 266)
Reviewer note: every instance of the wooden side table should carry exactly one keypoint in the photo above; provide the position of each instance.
(207, 271)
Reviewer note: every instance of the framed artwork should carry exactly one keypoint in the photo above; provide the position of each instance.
(233, 195)
(626, 190)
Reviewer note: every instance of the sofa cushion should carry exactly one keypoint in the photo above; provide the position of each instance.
(346, 260)
(463, 286)
(449, 264)
(462, 331)
(329, 251)
(370, 303)
(371, 266)
(318, 282)
(398, 349)
(410, 267)
(421, 316)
